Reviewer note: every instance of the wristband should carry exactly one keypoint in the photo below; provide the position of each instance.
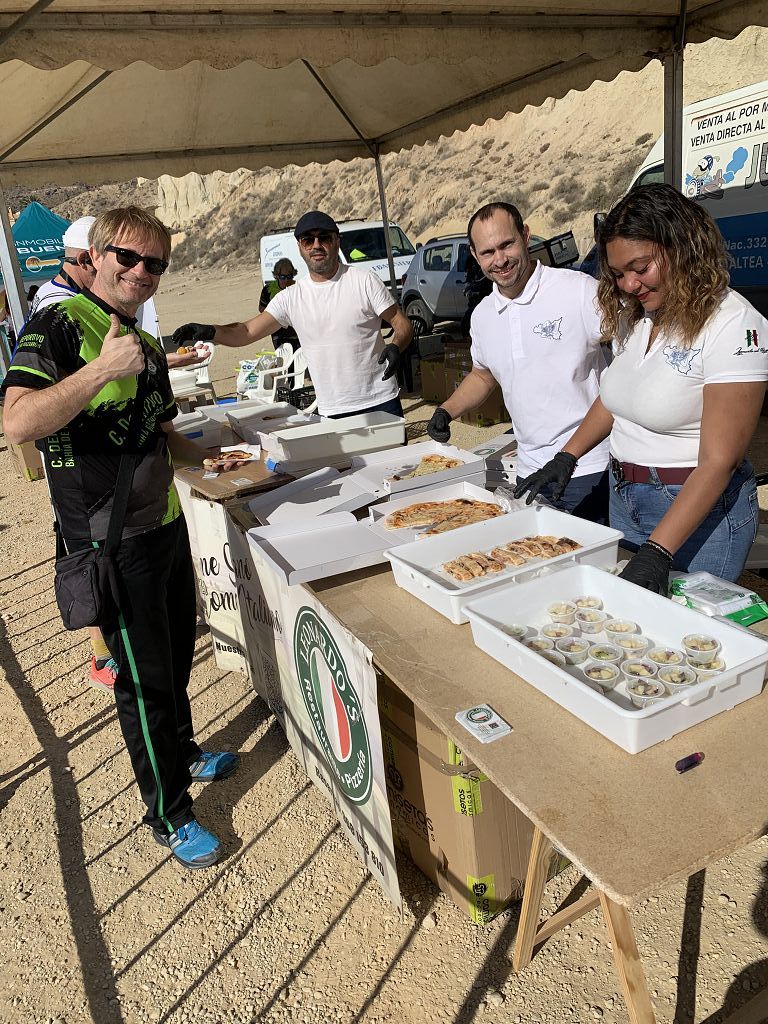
(657, 547)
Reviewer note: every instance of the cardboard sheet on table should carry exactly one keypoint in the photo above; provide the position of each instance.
(245, 478)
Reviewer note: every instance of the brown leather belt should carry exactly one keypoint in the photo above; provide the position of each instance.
(628, 472)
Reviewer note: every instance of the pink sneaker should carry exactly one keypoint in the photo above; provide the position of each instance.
(103, 678)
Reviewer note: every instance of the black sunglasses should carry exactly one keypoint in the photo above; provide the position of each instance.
(84, 260)
(323, 237)
(128, 258)
(285, 277)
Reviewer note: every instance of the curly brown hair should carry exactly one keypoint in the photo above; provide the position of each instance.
(694, 262)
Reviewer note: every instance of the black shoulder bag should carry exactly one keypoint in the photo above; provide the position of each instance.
(85, 583)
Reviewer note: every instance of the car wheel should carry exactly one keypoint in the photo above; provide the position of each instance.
(420, 317)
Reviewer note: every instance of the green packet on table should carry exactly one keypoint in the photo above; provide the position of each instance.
(713, 596)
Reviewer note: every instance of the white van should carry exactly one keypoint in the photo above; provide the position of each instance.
(362, 245)
(725, 167)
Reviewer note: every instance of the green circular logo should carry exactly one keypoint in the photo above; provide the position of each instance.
(333, 705)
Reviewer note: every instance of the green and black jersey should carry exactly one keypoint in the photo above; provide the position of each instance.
(82, 459)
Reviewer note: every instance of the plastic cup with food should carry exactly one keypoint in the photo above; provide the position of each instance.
(662, 656)
(700, 648)
(606, 653)
(709, 671)
(554, 657)
(562, 611)
(603, 674)
(632, 644)
(573, 648)
(591, 620)
(540, 643)
(588, 601)
(638, 668)
(643, 692)
(518, 631)
(620, 627)
(558, 631)
(676, 677)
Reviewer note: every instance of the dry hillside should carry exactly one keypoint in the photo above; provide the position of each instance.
(560, 162)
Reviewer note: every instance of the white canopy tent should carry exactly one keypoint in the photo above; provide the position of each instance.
(105, 90)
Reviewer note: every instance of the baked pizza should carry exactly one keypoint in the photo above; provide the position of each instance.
(429, 464)
(224, 457)
(476, 564)
(442, 516)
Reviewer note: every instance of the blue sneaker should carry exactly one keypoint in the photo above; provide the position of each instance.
(191, 844)
(210, 767)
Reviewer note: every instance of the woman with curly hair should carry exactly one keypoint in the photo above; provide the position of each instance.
(682, 397)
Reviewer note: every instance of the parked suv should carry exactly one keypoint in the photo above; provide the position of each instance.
(434, 288)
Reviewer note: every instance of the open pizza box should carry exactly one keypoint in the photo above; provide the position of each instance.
(376, 472)
(320, 493)
(463, 490)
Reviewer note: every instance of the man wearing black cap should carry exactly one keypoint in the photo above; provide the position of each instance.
(337, 312)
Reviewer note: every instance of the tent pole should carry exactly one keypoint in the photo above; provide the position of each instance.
(673, 105)
(9, 264)
(385, 219)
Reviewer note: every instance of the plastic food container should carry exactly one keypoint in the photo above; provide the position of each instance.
(562, 611)
(540, 643)
(591, 620)
(620, 627)
(602, 674)
(676, 677)
(554, 657)
(662, 656)
(638, 668)
(643, 692)
(709, 671)
(632, 644)
(609, 654)
(700, 648)
(588, 601)
(573, 648)
(519, 632)
(558, 631)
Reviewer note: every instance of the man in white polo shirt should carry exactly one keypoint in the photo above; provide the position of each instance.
(537, 335)
(336, 311)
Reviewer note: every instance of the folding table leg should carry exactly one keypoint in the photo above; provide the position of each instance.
(530, 912)
(627, 961)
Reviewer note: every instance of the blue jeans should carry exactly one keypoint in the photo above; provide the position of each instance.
(585, 497)
(392, 406)
(720, 545)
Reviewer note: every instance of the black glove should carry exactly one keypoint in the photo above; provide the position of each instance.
(649, 568)
(192, 332)
(390, 356)
(558, 471)
(439, 427)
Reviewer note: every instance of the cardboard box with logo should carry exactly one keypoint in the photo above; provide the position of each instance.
(433, 385)
(447, 817)
(27, 461)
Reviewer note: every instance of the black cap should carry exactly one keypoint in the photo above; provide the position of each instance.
(315, 221)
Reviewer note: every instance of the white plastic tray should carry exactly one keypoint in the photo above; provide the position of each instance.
(375, 472)
(417, 565)
(462, 489)
(365, 432)
(322, 492)
(665, 622)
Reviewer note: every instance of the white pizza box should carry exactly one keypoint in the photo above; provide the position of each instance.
(417, 566)
(497, 449)
(333, 439)
(199, 427)
(375, 472)
(449, 492)
(317, 494)
(336, 543)
(244, 417)
(745, 655)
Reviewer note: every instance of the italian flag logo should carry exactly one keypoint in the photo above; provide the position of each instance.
(752, 342)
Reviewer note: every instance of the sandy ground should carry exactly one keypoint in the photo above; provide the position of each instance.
(98, 925)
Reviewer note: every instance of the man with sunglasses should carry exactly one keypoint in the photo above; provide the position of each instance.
(89, 385)
(284, 275)
(337, 312)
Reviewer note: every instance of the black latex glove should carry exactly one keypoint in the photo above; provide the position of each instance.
(439, 427)
(558, 471)
(649, 569)
(192, 332)
(390, 356)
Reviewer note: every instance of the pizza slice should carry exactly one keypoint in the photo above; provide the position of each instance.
(508, 557)
(487, 562)
(457, 570)
(429, 464)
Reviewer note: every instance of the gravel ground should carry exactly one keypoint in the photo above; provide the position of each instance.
(99, 925)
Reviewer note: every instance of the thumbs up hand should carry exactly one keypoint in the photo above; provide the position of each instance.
(121, 354)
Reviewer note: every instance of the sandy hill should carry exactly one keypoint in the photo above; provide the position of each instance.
(560, 162)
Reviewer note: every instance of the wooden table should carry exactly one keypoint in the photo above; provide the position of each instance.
(629, 822)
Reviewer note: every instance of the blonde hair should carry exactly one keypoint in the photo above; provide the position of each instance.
(692, 258)
(111, 224)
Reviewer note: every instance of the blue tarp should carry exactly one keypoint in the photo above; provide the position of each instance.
(37, 234)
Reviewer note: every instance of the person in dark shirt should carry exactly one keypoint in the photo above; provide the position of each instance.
(79, 368)
(284, 275)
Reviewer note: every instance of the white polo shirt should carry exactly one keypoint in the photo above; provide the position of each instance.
(543, 349)
(339, 325)
(657, 398)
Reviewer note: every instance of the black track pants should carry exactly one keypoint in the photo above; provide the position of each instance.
(152, 640)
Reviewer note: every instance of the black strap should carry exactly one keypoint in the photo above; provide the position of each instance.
(125, 471)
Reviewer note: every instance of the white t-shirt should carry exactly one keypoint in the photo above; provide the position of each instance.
(51, 292)
(543, 349)
(339, 325)
(657, 399)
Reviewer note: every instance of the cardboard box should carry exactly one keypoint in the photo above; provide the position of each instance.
(458, 355)
(447, 817)
(433, 386)
(490, 412)
(27, 461)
